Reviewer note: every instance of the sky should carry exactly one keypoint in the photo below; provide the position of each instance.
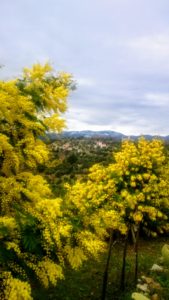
(116, 50)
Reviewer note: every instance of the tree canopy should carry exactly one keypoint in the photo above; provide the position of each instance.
(32, 227)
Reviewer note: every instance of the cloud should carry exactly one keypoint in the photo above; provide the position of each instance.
(117, 51)
(86, 82)
(150, 51)
(156, 45)
(158, 99)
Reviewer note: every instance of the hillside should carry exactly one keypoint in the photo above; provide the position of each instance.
(100, 134)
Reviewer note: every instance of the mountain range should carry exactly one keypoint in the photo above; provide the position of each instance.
(101, 134)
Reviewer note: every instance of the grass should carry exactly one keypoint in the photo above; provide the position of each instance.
(86, 283)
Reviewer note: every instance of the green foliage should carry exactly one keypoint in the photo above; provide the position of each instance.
(165, 254)
(86, 282)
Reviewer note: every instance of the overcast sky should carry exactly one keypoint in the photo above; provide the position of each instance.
(117, 51)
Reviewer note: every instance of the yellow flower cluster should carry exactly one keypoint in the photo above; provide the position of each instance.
(13, 246)
(48, 272)
(15, 289)
(52, 224)
(37, 71)
(75, 256)
(91, 244)
(30, 106)
(9, 223)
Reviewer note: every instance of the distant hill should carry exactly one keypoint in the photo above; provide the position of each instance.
(91, 134)
(100, 134)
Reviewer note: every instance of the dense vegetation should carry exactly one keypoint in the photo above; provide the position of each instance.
(71, 159)
(64, 205)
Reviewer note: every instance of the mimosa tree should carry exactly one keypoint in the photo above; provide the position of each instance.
(94, 207)
(29, 216)
(35, 235)
(128, 194)
(142, 184)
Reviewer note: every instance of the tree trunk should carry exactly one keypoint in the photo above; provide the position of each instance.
(105, 276)
(136, 253)
(122, 283)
